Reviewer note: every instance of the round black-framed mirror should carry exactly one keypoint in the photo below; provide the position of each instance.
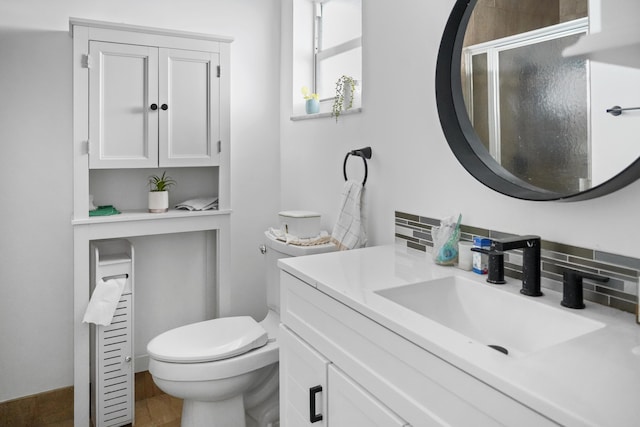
(463, 139)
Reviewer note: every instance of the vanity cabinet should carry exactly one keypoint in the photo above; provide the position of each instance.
(152, 106)
(303, 382)
(350, 405)
(316, 392)
(372, 364)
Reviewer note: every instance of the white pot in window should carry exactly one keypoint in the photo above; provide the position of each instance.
(349, 94)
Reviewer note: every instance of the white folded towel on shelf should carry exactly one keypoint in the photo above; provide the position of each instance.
(349, 231)
(199, 204)
(104, 301)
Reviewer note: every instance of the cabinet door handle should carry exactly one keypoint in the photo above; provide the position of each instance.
(313, 416)
(154, 107)
(164, 107)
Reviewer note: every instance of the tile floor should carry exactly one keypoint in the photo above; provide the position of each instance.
(153, 407)
(158, 411)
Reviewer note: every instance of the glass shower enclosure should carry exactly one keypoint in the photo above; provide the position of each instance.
(530, 106)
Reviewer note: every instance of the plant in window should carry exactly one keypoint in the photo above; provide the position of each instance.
(307, 95)
(345, 89)
(312, 104)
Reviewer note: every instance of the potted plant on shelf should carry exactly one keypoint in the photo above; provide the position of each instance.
(159, 192)
(345, 91)
(312, 102)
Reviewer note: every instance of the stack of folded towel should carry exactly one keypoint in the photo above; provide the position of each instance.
(290, 239)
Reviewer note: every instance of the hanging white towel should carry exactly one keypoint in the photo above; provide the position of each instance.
(349, 231)
(104, 301)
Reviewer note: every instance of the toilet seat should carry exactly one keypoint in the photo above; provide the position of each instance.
(204, 371)
(208, 341)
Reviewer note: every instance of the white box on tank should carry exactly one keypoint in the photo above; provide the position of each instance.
(303, 224)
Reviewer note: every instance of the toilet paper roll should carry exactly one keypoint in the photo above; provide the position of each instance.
(104, 301)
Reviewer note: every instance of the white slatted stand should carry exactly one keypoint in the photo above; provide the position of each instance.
(112, 370)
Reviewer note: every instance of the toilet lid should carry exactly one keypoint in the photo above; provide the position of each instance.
(208, 341)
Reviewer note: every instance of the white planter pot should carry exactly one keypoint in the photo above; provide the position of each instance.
(349, 94)
(158, 201)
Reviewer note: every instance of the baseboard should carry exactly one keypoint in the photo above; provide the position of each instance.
(141, 363)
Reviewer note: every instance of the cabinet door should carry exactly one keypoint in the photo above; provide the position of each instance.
(190, 108)
(115, 398)
(123, 126)
(350, 405)
(303, 383)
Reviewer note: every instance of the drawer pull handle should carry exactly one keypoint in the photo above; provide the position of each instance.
(313, 416)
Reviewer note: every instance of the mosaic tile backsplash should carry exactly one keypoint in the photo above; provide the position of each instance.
(621, 291)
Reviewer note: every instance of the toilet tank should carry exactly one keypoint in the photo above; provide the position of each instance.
(275, 250)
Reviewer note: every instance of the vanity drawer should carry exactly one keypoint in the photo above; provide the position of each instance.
(420, 387)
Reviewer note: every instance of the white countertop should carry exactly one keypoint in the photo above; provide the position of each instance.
(591, 380)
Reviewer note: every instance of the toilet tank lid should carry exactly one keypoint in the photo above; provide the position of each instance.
(208, 341)
(299, 214)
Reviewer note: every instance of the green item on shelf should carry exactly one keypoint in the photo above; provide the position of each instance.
(104, 211)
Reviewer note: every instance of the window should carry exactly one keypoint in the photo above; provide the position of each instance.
(337, 44)
(327, 44)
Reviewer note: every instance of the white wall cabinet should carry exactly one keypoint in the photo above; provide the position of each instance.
(149, 98)
(152, 106)
(375, 376)
(613, 36)
(314, 392)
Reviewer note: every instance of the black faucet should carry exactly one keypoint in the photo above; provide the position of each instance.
(530, 246)
(572, 287)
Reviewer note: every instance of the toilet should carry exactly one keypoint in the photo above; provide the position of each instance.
(226, 369)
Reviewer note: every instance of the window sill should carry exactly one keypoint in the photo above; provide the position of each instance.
(324, 115)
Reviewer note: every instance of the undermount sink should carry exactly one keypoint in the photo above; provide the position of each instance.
(490, 316)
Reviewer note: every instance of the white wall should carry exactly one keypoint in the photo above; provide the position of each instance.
(412, 168)
(36, 284)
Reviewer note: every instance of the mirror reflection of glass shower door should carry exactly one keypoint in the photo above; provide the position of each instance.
(480, 105)
(543, 115)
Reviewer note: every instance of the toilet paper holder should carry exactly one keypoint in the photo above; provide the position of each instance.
(112, 347)
(116, 276)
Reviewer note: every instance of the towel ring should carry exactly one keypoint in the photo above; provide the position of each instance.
(365, 153)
